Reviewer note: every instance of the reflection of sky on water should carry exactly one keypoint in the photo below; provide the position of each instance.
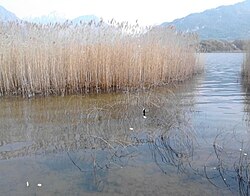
(219, 98)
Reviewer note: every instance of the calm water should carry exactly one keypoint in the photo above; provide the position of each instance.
(193, 141)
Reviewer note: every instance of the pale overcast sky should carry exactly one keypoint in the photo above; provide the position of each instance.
(148, 12)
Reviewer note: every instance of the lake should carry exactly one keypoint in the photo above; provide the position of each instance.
(189, 140)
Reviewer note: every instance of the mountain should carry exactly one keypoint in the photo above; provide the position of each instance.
(6, 15)
(225, 22)
(52, 17)
(86, 19)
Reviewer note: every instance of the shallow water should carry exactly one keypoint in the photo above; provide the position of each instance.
(193, 141)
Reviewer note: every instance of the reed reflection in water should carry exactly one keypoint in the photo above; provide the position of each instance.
(70, 123)
(84, 138)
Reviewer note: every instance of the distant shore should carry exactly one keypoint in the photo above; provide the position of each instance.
(209, 46)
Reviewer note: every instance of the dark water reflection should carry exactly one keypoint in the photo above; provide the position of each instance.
(193, 140)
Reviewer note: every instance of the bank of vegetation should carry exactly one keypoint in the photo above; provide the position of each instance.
(208, 46)
(59, 59)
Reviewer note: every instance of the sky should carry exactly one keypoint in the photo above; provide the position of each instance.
(147, 12)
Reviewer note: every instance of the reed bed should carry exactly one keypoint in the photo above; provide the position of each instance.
(246, 65)
(60, 59)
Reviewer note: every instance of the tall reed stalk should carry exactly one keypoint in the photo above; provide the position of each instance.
(246, 65)
(65, 58)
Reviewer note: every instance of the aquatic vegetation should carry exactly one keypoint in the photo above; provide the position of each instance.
(174, 150)
(95, 122)
(62, 59)
(228, 167)
(246, 65)
(95, 133)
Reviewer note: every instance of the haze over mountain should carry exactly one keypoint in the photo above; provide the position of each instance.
(52, 17)
(225, 22)
(86, 18)
(6, 15)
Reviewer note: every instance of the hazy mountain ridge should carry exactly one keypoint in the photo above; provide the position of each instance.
(6, 15)
(86, 18)
(225, 22)
(52, 17)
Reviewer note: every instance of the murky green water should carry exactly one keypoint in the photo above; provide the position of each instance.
(193, 140)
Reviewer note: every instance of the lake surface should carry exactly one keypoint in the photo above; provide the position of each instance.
(193, 139)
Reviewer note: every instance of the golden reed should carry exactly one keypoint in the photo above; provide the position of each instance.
(59, 59)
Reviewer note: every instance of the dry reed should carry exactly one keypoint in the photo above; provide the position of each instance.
(246, 65)
(66, 58)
